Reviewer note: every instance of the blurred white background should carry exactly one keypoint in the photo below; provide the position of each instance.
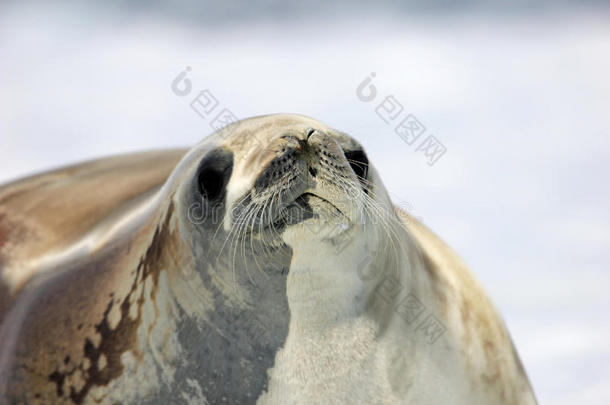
(519, 96)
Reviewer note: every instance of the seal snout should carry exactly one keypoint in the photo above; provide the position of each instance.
(311, 171)
(297, 168)
(310, 154)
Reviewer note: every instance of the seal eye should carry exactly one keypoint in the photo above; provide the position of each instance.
(210, 183)
(359, 162)
(214, 173)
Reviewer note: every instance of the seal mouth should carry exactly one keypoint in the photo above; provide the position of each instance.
(310, 197)
(305, 206)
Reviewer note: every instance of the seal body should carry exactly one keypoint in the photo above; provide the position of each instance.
(265, 265)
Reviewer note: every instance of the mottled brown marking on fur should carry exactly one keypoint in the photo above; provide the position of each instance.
(465, 312)
(5, 295)
(17, 191)
(12, 234)
(2, 232)
(5, 299)
(59, 207)
(490, 351)
(437, 282)
(115, 342)
(58, 378)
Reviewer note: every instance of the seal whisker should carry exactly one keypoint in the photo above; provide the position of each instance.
(372, 209)
(281, 212)
(246, 230)
(239, 235)
(273, 234)
(235, 235)
(254, 255)
(258, 217)
(390, 225)
(220, 225)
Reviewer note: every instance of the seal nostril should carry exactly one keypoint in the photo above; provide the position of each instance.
(313, 171)
(359, 163)
(310, 133)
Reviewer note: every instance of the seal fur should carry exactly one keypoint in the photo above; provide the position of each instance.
(265, 265)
